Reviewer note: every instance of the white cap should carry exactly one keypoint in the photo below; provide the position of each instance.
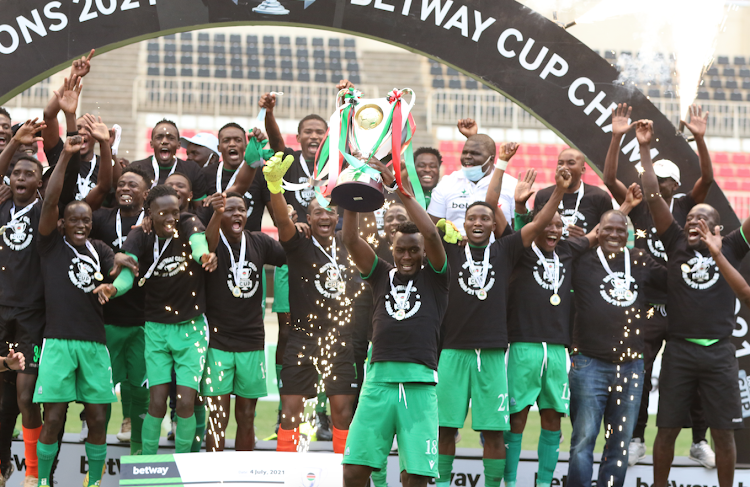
(204, 139)
(667, 169)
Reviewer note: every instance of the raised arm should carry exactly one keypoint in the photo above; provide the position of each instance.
(275, 139)
(359, 250)
(246, 172)
(733, 277)
(98, 131)
(504, 155)
(659, 208)
(697, 126)
(274, 172)
(621, 125)
(532, 230)
(50, 212)
(218, 201)
(633, 198)
(467, 127)
(51, 133)
(25, 135)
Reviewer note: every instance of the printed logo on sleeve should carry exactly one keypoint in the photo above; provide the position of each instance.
(18, 233)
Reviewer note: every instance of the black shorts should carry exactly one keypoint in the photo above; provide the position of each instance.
(23, 329)
(687, 369)
(302, 380)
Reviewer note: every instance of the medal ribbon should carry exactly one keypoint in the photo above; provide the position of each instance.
(156, 170)
(157, 255)
(83, 184)
(219, 172)
(485, 265)
(400, 298)
(118, 226)
(26, 209)
(236, 266)
(332, 255)
(578, 203)
(603, 260)
(553, 276)
(94, 262)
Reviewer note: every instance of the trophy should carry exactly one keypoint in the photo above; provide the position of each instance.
(270, 7)
(360, 129)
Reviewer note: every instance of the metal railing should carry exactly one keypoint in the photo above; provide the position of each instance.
(234, 97)
(491, 109)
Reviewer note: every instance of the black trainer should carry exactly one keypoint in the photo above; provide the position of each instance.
(323, 424)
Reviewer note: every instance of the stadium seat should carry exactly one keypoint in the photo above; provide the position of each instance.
(451, 72)
(269, 40)
(286, 75)
(610, 55)
(219, 37)
(203, 60)
(728, 73)
(744, 72)
(350, 55)
(303, 52)
(715, 82)
(285, 52)
(350, 42)
(153, 59)
(220, 73)
(235, 39)
(203, 37)
(703, 95)
(720, 95)
(270, 74)
(269, 62)
(334, 64)
(304, 75)
(436, 69)
(186, 72)
(321, 53)
(204, 73)
(731, 84)
(712, 71)
(253, 73)
(354, 78)
(740, 158)
(153, 71)
(170, 47)
(186, 36)
(318, 42)
(746, 84)
(471, 84)
(720, 158)
(438, 83)
(303, 64)
(203, 48)
(336, 76)
(237, 72)
(286, 63)
(320, 77)
(334, 54)
(152, 46)
(654, 93)
(236, 61)
(269, 51)
(300, 41)
(334, 42)
(253, 62)
(319, 63)
(251, 50)
(722, 60)
(251, 39)
(285, 41)
(454, 83)
(170, 59)
(352, 66)
(186, 48)
(739, 60)
(235, 49)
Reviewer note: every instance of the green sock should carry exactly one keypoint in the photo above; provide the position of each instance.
(200, 427)
(150, 435)
(378, 477)
(320, 407)
(139, 398)
(126, 399)
(183, 438)
(97, 455)
(46, 455)
(548, 451)
(493, 471)
(278, 378)
(445, 467)
(512, 456)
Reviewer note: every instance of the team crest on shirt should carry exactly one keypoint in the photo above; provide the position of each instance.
(614, 290)
(81, 274)
(401, 308)
(544, 274)
(250, 203)
(83, 189)
(703, 273)
(304, 196)
(655, 246)
(170, 266)
(18, 233)
(248, 281)
(329, 280)
(572, 217)
(470, 280)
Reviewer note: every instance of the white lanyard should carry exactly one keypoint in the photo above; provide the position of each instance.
(303, 163)
(236, 266)
(401, 299)
(219, 172)
(156, 170)
(552, 275)
(94, 262)
(26, 209)
(118, 227)
(574, 218)
(603, 260)
(157, 255)
(479, 273)
(331, 256)
(83, 184)
(671, 205)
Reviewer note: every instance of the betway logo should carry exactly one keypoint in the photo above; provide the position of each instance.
(150, 471)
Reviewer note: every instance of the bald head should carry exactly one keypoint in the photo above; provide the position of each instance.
(486, 142)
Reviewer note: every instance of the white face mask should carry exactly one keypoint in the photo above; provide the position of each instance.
(475, 173)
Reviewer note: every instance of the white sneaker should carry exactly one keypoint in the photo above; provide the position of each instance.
(84, 432)
(30, 482)
(4, 478)
(124, 434)
(702, 453)
(636, 451)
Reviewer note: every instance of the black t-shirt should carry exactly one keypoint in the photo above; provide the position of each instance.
(647, 239)
(73, 310)
(174, 292)
(610, 318)
(21, 277)
(594, 204)
(700, 303)
(319, 295)
(415, 337)
(128, 309)
(531, 316)
(470, 322)
(83, 173)
(189, 168)
(237, 322)
(256, 197)
(301, 199)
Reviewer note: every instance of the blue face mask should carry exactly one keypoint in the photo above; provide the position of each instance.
(475, 173)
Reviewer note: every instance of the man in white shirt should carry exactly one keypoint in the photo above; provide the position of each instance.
(456, 191)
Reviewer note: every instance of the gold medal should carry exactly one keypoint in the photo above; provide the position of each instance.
(555, 299)
(141, 282)
(400, 314)
(236, 292)
(98, 276)
(341, 286)
(482, 294)
(685, 268)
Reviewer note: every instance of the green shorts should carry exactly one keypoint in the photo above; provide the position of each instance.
(281, 290)
(478, 375)
(538, 374)
(182, 346)
(409, 411)
(239, 373)
(126, 346)
(74, 370)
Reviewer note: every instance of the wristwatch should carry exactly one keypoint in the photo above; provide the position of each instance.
(392, 188)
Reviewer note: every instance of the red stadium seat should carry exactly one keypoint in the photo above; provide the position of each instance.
(720, 158)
